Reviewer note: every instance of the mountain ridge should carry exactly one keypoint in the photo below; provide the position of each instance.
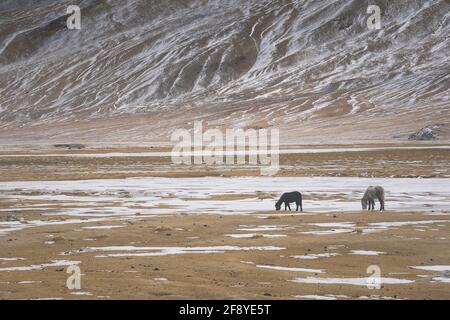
(298, 65)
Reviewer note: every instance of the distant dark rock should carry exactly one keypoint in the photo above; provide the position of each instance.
(70, 146)
(426, 133)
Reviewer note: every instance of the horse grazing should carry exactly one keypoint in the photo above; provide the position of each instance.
(370, 195)
(290, 197)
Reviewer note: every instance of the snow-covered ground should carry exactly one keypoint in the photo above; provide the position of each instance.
(117, 200)
(197, 195)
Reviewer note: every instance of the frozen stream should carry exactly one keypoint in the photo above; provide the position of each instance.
(157, 195)
(113, 201)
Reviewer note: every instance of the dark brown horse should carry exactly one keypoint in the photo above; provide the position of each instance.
(290, 197)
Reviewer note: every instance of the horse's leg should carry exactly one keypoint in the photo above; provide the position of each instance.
(301, 205)
(373, 205)
(381, 204)
(297, 204)
(289, 206)
(285, 206)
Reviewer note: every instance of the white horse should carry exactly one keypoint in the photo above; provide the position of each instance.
(370, 195)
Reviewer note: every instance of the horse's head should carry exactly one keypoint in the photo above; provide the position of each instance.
(364, 203)
(278, 206)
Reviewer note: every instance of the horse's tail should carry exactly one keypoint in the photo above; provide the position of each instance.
(380, 192)
(380, 196)
(301, 202)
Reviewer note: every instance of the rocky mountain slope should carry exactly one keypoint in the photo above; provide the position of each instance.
(137, 69)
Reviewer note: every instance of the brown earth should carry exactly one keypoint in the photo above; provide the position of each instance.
(425, 163)
(231, 274)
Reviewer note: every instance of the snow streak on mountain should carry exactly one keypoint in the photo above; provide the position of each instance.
(300, 65)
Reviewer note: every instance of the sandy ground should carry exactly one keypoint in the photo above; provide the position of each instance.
(229, 273)
(425, 163)
(125, 248)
